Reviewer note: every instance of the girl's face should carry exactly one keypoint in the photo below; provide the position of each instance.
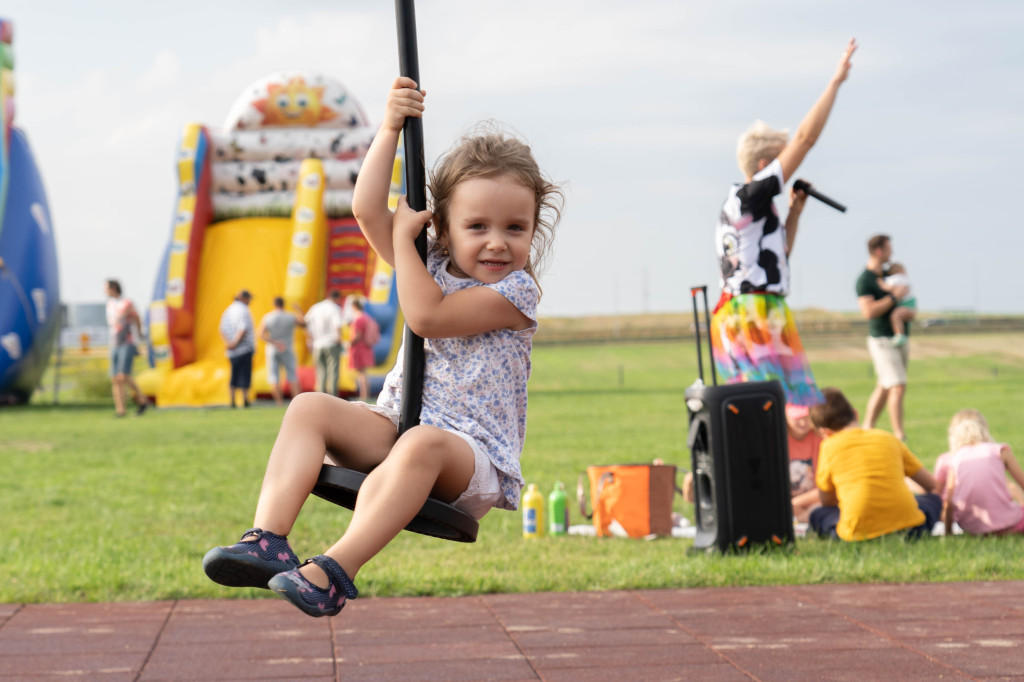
(490, 228)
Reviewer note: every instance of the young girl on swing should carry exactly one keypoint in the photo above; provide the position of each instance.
(474, 303)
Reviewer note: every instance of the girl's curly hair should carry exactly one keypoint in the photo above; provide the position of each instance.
(488, 152)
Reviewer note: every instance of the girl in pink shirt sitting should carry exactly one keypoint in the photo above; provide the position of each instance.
(972, 476)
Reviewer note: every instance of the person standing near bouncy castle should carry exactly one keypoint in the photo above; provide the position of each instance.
(753, 334)
(277, 329)
(324, 322)
(236, 329)
(122, 319)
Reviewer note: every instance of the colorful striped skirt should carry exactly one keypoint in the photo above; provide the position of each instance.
(754, 338)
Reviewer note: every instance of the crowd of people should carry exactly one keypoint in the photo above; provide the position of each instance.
(325, 323)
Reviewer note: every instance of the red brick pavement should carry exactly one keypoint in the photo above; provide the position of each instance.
(954, 631)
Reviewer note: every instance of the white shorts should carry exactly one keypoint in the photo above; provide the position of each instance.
(484, 489)
(890, 361)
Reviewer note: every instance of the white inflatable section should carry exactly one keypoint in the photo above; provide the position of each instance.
(274, 125)
(283, 144)
(264, 176)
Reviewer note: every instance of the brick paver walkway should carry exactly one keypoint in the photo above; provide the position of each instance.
(958, 631)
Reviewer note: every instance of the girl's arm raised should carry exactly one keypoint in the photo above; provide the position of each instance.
(370, 198)
(428, 311)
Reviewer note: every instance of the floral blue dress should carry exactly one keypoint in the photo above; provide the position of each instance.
(476, 385)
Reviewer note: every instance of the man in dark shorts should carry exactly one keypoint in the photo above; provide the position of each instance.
(890, 360)
(236, 329)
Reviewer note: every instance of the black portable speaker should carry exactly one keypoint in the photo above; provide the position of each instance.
(740, 459)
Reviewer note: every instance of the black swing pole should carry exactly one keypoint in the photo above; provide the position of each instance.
(416, 189)
(340, 485)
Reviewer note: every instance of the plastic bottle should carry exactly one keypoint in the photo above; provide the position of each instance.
(558, 511)
(533, 512)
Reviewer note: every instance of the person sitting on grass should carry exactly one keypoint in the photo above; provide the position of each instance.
(804, 446)
(860, 479)
(475, 304)
(905, 309)
(972, 480)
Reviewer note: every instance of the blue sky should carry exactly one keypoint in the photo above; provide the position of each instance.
(635, 106)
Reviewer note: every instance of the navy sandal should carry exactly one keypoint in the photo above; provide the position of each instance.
(313, 600)
(252, 563)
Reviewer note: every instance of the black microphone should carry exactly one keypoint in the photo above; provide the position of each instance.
(802, 186)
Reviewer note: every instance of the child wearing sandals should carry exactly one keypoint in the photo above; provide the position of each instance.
(972, 480)
(474, 302)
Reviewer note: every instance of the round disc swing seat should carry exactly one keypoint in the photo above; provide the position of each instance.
(337, 484)
(436, 518)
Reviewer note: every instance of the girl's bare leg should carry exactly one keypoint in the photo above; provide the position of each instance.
(315, 424)
(425, 460)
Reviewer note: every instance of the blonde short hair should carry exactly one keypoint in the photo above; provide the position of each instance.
(968, 427)
(759, 142)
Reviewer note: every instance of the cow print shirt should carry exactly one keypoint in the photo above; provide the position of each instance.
(750, 240)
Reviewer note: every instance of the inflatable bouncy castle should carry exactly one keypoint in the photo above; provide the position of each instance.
(265, 204)
(29, 286)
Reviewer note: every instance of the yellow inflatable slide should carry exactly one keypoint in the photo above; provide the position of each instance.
(265, 205)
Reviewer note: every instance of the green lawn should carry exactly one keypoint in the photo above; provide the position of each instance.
(99, 509)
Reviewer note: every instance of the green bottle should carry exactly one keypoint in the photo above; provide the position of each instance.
(558, 511)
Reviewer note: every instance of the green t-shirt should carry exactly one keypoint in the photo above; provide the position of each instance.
(867, 285)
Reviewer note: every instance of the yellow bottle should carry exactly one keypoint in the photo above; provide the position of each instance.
(533, 512)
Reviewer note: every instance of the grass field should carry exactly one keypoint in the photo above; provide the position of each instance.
(98, 509)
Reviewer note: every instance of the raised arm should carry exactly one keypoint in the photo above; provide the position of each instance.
(428, 310)
(814, 121)
(370, 198)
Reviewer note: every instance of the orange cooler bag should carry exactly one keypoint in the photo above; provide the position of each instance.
(638, 496)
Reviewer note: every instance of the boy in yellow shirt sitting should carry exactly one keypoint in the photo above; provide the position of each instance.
(860, 479)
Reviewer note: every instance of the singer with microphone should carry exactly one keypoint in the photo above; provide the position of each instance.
(753, 335)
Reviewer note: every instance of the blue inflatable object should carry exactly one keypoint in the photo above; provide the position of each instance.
(29, 285)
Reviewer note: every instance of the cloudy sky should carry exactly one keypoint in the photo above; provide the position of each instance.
(635, 106)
